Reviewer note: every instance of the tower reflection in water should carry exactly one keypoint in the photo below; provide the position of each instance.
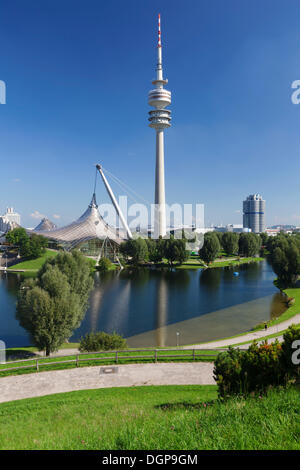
(161, 311)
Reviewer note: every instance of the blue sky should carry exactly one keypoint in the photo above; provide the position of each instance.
(77, 76)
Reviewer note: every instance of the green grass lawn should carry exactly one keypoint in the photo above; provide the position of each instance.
(34, 264)
(194, 262)
(162, 417)
(289, 313)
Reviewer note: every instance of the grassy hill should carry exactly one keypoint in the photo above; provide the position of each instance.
(34, 264)
(165, 417)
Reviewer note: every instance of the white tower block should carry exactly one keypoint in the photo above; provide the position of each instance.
(159, 119)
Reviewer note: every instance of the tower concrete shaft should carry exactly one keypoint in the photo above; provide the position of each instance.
(159, 119)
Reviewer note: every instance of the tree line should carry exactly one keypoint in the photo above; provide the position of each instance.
(143, 250)
(244, 244)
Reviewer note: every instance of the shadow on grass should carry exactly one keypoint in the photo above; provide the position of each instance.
(20, 354)
(185, 405)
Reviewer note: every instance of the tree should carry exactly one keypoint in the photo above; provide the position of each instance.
(230, 242)
(174, 250)
(140, 251)
(104, 264)
(154, 253)
(220, 237)
(32, 246)
(37, 246)
(17, 236)
(249, 244)
(137, 250)
(280, 264)
(285, 260)
(77, 268)
(211, 247)
(264, 238)
(52, 306)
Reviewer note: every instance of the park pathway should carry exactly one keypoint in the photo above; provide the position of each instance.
(38, 384)
(249, 336)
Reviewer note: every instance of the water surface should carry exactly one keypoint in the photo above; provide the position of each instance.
(150, 307)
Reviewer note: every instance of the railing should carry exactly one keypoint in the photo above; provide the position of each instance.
(111, 357)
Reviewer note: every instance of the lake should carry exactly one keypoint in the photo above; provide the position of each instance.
(152, 307)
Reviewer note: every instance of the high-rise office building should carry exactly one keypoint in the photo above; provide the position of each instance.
(254, 213)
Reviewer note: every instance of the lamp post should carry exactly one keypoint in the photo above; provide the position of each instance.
(177, 339)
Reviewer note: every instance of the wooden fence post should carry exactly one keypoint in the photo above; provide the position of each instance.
(155, 355)
(37, 365)
(116, 357)
(77, 360)
(194, 357)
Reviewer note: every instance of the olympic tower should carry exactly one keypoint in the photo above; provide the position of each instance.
(159, 119)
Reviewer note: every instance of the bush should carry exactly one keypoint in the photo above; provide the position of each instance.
(292, 334)
(254, 370)
(104, 265)
(101, 341)
(262, 366)
(228, 372)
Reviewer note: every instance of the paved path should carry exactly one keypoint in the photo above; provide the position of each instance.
(46, 383)
(248, 337)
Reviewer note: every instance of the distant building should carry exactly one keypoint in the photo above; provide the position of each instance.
(45, 224)
(254, 213)
(236, 228)
(272, 232)
(9, 220)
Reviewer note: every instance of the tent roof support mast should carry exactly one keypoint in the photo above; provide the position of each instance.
(114, 201)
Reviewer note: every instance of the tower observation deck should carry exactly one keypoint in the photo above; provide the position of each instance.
(159, 119)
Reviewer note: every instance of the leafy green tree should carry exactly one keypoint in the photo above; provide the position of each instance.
(104, 264)
(286, 263)
(37, 246)
(32, 246)
(136, 250)
(230, 243)
(52, 306)
(211, 247)
(220, 237)
(154, 253)
(264, 238)
(77, 268)
(140, 251)
(174, 250)
(17, 236)
(249, 244)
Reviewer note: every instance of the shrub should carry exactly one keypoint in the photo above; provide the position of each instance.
(262, 366)
(228, 372)
(292, 370)
(254, 370)
(101, 341)
(104, 265)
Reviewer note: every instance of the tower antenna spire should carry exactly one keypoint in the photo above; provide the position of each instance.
(159, 32)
